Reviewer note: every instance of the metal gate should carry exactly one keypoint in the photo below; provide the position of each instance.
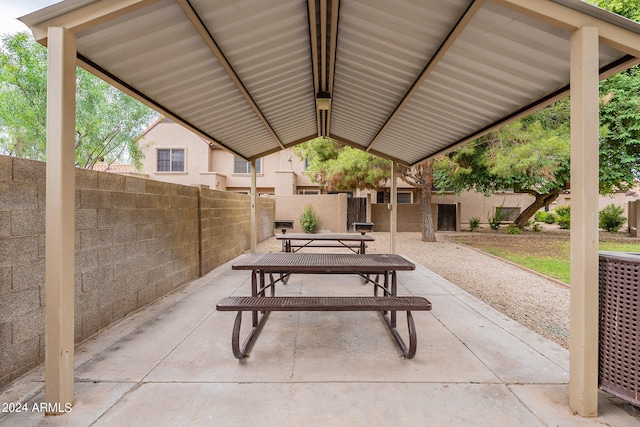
(446, 217)
(356, 210)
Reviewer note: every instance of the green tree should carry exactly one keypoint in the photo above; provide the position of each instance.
(421, 177)
(620, 115)
(529, 156)
(108, 122)
(626, 8)
(337, 167)
(620, 131)
(342, 168)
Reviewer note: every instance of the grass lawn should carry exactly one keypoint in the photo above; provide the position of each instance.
(549, 266)
(550, 258)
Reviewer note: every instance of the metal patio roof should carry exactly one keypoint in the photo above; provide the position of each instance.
(403, 79)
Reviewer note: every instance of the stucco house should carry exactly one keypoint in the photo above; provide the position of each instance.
(175, 154)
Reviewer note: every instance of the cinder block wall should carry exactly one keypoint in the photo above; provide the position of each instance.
(136, 240)
(21, 266)
(225, 225)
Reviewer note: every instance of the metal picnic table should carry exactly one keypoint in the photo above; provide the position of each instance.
(278, 266)
(326, 240)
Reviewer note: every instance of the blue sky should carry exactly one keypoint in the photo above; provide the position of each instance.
(10, 10)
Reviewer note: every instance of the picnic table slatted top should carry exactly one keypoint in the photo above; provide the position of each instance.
(319, 262)
(326, 236)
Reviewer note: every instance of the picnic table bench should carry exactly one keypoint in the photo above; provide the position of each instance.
(383, 266)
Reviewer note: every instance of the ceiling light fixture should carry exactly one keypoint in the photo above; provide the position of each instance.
(323, 101)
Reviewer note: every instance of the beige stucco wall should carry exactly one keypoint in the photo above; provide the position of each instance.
(167, 134)
(478, 205)
(283, 174)
(214, 167)
(619, 199)
(331, 210)
(408, 217)
(469, 204)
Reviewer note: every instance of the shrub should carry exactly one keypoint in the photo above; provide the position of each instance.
(564, 221)
(537, 227)
(539, 216)
(564, 217)
(474, 223)
(513, 229)
(611, 218)
(496, 220)
(550, 218)
(309, 220)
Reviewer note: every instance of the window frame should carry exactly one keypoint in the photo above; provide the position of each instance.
(171, 160)
(237, 161)
(512, 212)
(404, 193)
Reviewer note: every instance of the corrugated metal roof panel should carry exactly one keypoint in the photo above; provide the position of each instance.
(157, 50)
(502, 62)
(382, 48)
(267, 43)
(388, 95)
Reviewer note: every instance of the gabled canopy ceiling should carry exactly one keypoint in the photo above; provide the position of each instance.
(403, 79)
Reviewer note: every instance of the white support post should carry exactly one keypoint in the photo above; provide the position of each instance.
(254, 226)
(60, 220)
(393, 220)
(583, 317)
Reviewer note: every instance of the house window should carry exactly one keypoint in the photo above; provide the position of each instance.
(401, 197)
(508, 213)
(171, 160)
(240, 166)
(404, 198)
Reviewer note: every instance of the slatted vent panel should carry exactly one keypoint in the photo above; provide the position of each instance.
(619, 337)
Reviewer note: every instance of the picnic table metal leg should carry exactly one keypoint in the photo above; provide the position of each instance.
(408, 352)
(394, 292)
(272, 284)
(383, 286)
(240, 352)
(254, 293)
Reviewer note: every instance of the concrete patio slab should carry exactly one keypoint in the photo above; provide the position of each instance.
(171, 364)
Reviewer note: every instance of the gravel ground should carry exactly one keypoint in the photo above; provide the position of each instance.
(536, 302)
